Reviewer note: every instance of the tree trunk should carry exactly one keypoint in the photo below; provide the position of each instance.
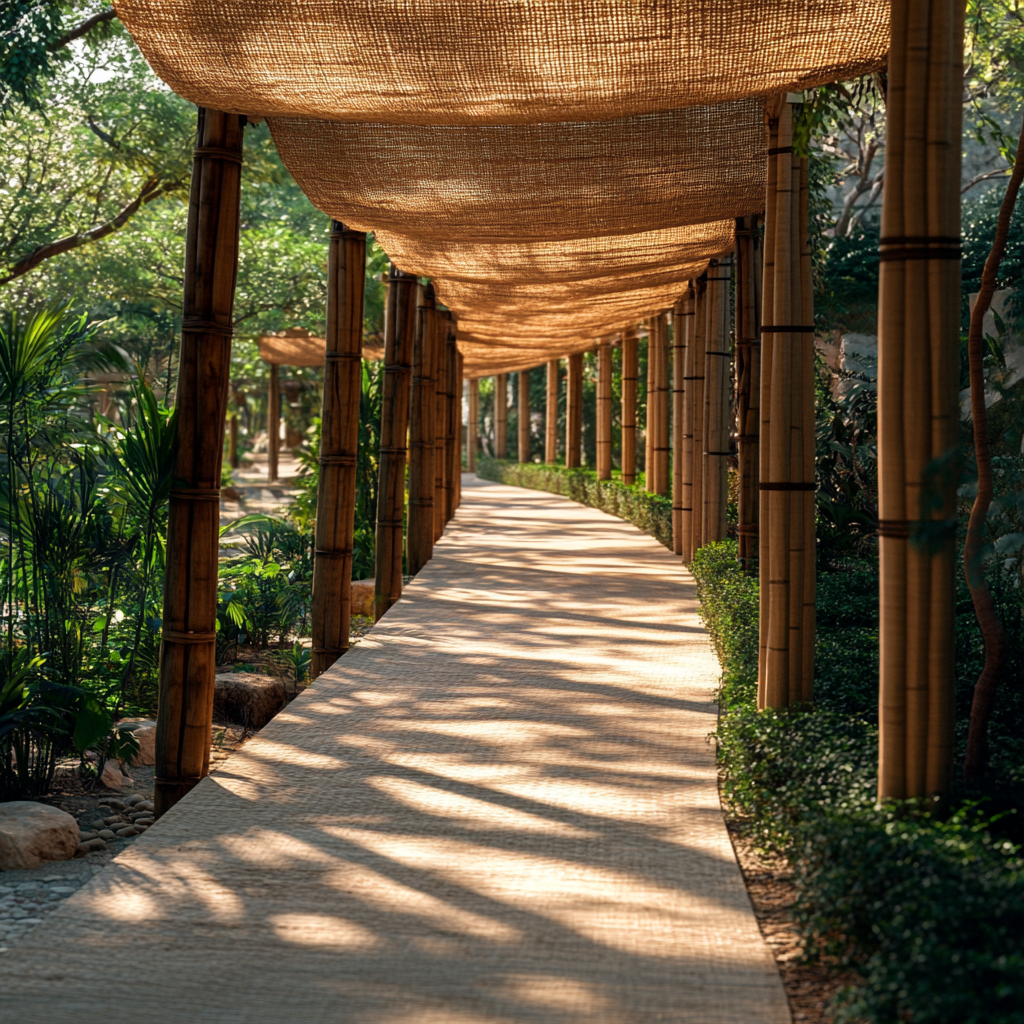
(630, 373)
(399, 329)
(339, 443)
(574, 413)
(524, 415)
(682, 333)
(604, 412)
(273, 424)
(992, 631)
(422, 434)
(188, 651)
(918, 414)
(551, 414)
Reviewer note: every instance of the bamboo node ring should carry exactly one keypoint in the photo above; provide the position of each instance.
(200, 326)
(218, 153)
(337, 460)
(178, 637)
(333, 552)
(898, 529)
(196, 493)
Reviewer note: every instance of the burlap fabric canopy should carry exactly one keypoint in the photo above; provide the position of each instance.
(541, 182)
(481, 62)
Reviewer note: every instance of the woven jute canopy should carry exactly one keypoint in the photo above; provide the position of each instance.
(298, 347)
(559, 168)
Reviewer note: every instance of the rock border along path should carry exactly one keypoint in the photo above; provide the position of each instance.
(500, 807)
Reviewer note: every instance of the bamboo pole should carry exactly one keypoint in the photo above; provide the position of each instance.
(650, 472)
(422, 433)
(273, 424)
(441, 387)
(501, 415)
(460, 377)
(682, 332)
(717, 381)
(694, 447)
(551, 414)
(919, 301)
(188, 641)
(630, 372)
(604, 411)
(339, 442)
(661, 447)
(452, 409)
(473, 429)
(574, 412)
(748, 382)
(399, 328)
(233, 460)
(524, 416)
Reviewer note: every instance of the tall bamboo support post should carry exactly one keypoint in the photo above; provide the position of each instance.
(657, 405)
(473, 428)
(682, 333)
(422, 433)
(188, 649)
(273, 424)
(630, 373)
(460, 376)
(399, 329)
(604, 411)
(501, 415)
(551, 414)
(453, 410)
(748, 381)
(717, 385)
(693, 440)
(441, 386)
(524, 416)
(919, 304)
(574, 412)
(339, 442)
(787, 486)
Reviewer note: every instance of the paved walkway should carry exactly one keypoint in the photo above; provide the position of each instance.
(500, 807)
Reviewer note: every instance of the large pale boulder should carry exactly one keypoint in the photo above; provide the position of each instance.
(248, 699)
(32, 834)
(144, 730)
(362, 597)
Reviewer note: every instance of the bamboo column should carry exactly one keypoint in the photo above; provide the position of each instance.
(441, 387)
(574, 412)
(524, 415)
(473, 429)
(188, 651)
(339, 443)
(682, 333)
(399, 329)
(630, 373)
(233, 459)
(787, 562)
(453, 410)
(918, 417)
(419, 545)
(658, 424)
(717, 385)
(551, 414)
(748, 380)
(273, 424)
(501, 415)
(460, 376)
(649, 407)
(604, 411)
(693, 426)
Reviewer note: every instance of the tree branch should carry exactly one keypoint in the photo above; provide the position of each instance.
(83, 29)
(999, 172)
(153, 189)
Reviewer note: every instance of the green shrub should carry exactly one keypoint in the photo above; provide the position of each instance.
(648, 512)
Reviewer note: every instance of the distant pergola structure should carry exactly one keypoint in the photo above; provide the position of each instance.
(560, 178)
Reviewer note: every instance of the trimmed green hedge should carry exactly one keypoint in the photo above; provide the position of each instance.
(648, 512)
(927, 910)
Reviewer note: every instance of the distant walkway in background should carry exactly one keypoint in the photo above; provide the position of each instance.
(500, 807)
(258, 495)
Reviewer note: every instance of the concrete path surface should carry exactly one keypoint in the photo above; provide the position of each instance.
(500, 807)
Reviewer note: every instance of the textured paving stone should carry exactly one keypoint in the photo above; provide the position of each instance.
(500, 807)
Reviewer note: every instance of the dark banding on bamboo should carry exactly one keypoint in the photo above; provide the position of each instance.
(473, 427)
(399, 330)
(630, 373)
(551, 413)
(452, 470)
(574, 412)
(748, 382)
(273, 424)
(693, 435)
(339, 441)
(501, 415)
(188, 649)
(658, 408)
(604, 411)
(422, 434)
(918, 417)
(682, 330)
(524, 416)
(717, 385)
